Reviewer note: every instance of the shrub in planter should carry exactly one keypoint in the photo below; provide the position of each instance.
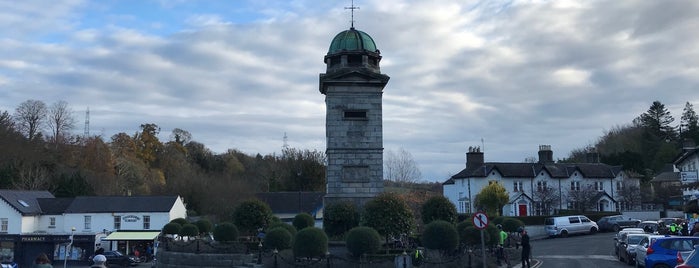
(251, 215)
(388, 214)
(225, 232)
(204, 226)
(470, 235)
(310, 242)
(340, 217)
(172, 228)
(511, 225)
(362, 240)
(438, 208)
(189, 230)
(277, 238)
(440, 235)
(180, 221)
(303, 220)
(291, 229)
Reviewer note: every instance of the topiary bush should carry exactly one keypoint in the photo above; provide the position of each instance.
(492, 232)
(172, 228)
(388, 214)
(291, 229)
(225, 232)
(440, 235)
(250, 215)
(204, 226)
(277, 238)
(189, 230)
(496, 220)
(303, 220)
(469, 234)
(340, 217)
(511, 225)
(180, 221)
(310, 242)
(438, 208)
(362, 240)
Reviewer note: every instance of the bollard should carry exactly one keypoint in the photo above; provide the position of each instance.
(327, 257)
(275, 257)
(259, 258)
(405, 259)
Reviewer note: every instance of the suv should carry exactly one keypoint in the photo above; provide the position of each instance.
(663, 252)
(567, 225)
(616, 223)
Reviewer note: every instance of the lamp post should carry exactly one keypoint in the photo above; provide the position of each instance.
(70, 244)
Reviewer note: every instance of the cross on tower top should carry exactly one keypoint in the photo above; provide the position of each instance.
(352, 8)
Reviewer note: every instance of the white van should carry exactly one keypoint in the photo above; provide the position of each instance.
(566, 225)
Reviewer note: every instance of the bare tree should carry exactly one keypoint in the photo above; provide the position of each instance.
(545, 198)
(401, 167)
(29, 117)
(32, 178)
(582, 198)
(630, 193)
(60, 119)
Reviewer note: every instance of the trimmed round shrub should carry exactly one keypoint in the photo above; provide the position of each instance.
(310, 242)
(362, 240)
(493, 233)
(225, 232)
(204, 226)
(189, 230)
(469, 234)
(340, 217)
(388, 214)
(438, 208)
(251, 215)
(277, 238)
(172, 228)
(291, 229)
(511, 225)
(303, 220)
(180, 221)
(496, 220)
(440, 235)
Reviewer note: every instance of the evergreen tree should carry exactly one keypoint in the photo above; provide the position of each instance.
(689, 124)
(657, 121)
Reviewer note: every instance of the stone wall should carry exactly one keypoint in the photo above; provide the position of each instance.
(167, 259)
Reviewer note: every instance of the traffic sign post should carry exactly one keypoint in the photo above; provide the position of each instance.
(480, 221)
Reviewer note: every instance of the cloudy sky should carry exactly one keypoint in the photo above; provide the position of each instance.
(505, 75)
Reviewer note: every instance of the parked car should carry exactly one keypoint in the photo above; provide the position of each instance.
(117, 258)
(567, 225)
(663, 252)
(668, 221)
(616, 223)
(649, 225)
(642, 248)
(691, 261)
(621, 236)
(627, 246)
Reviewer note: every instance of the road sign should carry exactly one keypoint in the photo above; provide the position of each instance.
(480, 220)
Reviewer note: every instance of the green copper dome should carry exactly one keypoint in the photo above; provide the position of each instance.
(352, 40)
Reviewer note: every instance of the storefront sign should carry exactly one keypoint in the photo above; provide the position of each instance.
(131, 218)
(33, 238)
(689, 176)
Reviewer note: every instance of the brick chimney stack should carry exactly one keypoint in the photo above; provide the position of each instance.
(474, 158)
(545, 154)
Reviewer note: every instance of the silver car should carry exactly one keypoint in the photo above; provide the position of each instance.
(642, 249)
(627, 247)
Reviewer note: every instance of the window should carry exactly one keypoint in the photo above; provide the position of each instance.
(4, 225)
(355, 115)
(574, 219)
(146, 222)
(518, 186)
(619, 186)
(541, 186)
(599, 186)
(575, 186)
(88, 222)
(52, 222)
(117, 222)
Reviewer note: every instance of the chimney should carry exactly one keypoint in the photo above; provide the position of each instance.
(545, 154)
(474, 158)
(592, 157)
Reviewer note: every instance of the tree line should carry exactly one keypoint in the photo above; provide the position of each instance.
(38, 152)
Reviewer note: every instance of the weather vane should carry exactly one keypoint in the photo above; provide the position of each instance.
(352, 8)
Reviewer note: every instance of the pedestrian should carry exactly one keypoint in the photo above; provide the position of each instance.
(42, 261)
(526, 249)
(100, 261)
(501, 244)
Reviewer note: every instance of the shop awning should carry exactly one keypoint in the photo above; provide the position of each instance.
(122, 236)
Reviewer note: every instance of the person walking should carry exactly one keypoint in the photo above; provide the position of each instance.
(42, 261)
(526, 249)
(100, 261)
(501, 246)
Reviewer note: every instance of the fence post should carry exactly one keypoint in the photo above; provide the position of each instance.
(275, 257)
(327, 256)
(405, 259)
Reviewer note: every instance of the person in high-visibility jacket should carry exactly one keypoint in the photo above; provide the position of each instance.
(501, 244)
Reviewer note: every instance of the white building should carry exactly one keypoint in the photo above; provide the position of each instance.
(33, 222)
(543, 187)
(687, 164)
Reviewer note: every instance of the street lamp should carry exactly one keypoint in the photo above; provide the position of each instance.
(70, 244)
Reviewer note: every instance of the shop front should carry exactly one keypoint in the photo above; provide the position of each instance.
(9, 245)
(128, 242)
(57, 247)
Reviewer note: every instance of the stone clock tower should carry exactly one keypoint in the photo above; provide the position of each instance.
(353, 86)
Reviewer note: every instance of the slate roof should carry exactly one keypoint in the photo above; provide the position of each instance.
(599, 195)
(667, 176)
(102, 204)
(531, 170)
(24, 201)
(54, 206)
(685, 154)
(292, 202)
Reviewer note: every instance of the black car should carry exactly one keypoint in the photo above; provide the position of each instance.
(616, 223)
(115, 257)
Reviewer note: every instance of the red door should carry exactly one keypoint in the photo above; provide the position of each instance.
(522, 210)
